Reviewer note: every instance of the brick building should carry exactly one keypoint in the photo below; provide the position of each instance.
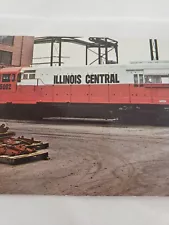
(16, 50)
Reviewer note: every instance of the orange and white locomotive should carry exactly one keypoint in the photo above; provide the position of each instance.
(136, 91)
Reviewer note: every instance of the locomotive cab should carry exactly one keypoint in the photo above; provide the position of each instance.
(9, 78)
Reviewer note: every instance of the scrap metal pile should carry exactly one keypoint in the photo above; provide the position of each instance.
(14, 146)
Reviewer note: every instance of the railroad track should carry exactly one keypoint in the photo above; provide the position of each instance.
(86, 122)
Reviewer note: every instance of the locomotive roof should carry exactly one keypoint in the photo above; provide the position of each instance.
(132, 65)
(10, 70)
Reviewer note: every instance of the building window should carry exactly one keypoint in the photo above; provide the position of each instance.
(7, 40)
(5, 58)
(6, 78)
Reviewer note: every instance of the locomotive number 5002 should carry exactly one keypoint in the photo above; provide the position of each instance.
(5, 86)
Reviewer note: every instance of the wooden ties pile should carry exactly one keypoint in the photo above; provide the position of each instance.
(11, 146)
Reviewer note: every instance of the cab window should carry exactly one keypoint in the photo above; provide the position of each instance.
(19, 78)
(25, 76)
(6, 78)
(13, 77)
(32, 76)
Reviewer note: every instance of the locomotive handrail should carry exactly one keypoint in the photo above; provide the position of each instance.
(40, 80)
(156, 85)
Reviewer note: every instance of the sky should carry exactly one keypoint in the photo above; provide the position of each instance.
(129, 50)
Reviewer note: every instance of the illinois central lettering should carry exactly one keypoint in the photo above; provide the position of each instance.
(87, 79)
(67, 79)
(101, 79)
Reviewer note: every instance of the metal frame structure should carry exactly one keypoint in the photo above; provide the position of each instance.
(154, 49)
(98, 43)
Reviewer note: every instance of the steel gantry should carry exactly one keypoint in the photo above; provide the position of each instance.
(94, 44)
